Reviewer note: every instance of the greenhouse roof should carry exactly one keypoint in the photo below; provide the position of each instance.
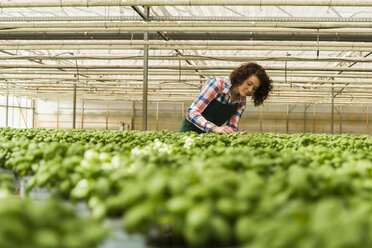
(311, 49)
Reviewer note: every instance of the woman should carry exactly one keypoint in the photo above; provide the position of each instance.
(224, 99)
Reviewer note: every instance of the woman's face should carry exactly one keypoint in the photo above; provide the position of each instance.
(249, 86)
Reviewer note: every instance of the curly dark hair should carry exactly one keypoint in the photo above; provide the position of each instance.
(244, 71)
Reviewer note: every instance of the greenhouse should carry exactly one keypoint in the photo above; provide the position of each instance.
(185, 123)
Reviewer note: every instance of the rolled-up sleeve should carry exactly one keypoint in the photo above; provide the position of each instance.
(210, 91)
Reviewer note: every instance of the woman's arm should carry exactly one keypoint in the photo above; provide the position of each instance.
(233, 122)
(210, 91)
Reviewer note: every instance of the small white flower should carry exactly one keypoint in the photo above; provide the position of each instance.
(189, 141)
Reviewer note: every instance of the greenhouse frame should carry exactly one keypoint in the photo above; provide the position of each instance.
(94, 54)
(93, 94)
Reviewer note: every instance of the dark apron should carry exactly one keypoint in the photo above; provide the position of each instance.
(216, 112)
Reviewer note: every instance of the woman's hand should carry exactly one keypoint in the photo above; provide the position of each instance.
(223, 129)
(242, 133)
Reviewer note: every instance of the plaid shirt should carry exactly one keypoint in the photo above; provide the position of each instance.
(215, 88)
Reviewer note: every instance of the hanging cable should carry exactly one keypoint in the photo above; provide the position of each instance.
(317, 39)
(285, 73)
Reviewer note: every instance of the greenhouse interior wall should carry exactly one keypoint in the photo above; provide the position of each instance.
(16, 112)
(169, 115)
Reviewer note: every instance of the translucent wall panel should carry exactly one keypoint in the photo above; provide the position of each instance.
(169, 115)
(2, 116)
(30, 117)
(354, 120)
(2, 100)
(53, 114)
(19, 113)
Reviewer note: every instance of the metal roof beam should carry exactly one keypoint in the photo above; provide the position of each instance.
(92, 3)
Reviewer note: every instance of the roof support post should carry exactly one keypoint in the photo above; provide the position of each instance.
(367, 126)
(82, 114)
(287, 120)
(145, 74)
(340, 114)
(74, 109)
(7, 107)
(332, 108)
(305, 117)
(33, 108)
(314, 118)
(132, 116)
